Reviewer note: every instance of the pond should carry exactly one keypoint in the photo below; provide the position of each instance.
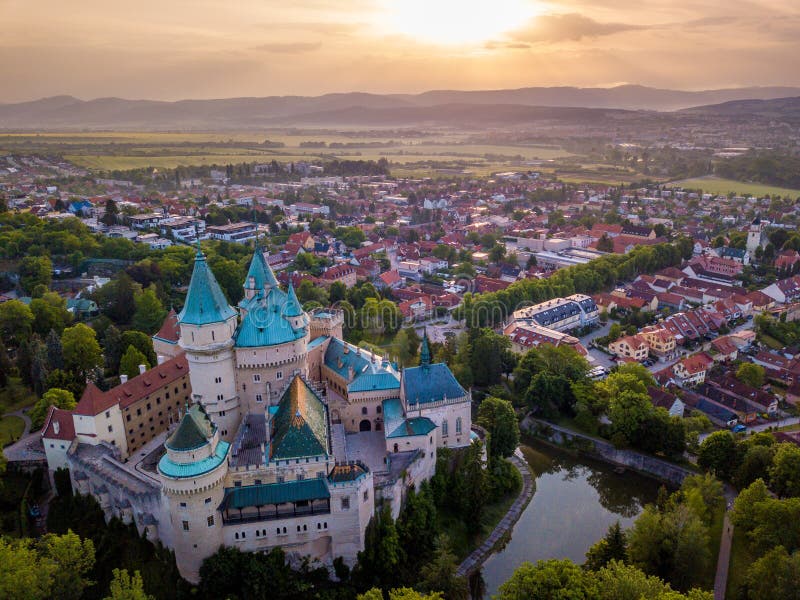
(576, 499)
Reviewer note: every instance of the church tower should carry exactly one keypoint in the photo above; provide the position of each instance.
(755, 235)
(208, 324)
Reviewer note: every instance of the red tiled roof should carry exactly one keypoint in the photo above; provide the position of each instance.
(170, 330)
(61, 420)
(94, 401)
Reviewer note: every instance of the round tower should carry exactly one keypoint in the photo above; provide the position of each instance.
(192, 474)
(207, 324)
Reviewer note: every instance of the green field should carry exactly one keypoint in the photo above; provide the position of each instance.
(718, 186)
(107, 151)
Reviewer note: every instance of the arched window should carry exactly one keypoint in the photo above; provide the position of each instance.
(458, 425)
(363, 410)
(444, 427)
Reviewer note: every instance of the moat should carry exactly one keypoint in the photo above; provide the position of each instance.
(574, 502)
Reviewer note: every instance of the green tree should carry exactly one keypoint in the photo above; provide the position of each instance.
(16, 319)
(756, 463)
(337, 292)
(476, 481)
(439, 573)
(612, 546)
(110, 215)
(628, 411)
(774, 576)
(74, 559)
(117, 298)
(55, 353)
(399, 594)
(497, 416)
(784, 474)
(150, 313)
(604, 244)
(719, 454)
(81, 350)
(53, 397)
(140, 341)
(751, 374)
(379, 561)
(24, 573)
(618, 581)
(417, 525)
(744, 507)
(35, 270)
(112, 347)
(549, 580)
(129, 364)
(50, 313)
(127, 587)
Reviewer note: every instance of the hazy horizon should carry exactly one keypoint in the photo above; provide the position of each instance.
(206, 50)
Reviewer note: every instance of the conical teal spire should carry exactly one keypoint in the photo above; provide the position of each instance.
(205, 302)
(293, 308)
(425, 351)
(260, 271)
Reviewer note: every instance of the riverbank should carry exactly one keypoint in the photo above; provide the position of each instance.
(475, 560)
(602, 450)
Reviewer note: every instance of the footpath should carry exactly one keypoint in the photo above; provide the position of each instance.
(478, 556)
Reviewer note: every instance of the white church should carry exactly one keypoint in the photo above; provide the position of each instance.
(260, 427)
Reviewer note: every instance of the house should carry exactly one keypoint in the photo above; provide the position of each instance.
(692, 370)
(725, 349)
(662, 398)
(390, 279)
(630, 346)
(661, 341)
(345, 274)
(784, 291)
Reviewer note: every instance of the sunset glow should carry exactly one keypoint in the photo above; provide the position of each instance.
(456, 22)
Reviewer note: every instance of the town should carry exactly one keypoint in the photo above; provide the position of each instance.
(267, 315)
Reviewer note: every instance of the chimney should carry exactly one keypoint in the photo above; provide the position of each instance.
(161, 359)
(142, 369)
(123, 379)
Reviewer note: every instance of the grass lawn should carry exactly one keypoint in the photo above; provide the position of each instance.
(717, 185)
(741, 559)
(770, 341)
(11, 429)
(15, 396)
(461, 541)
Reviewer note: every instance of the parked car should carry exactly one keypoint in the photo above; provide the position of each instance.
(739, 428)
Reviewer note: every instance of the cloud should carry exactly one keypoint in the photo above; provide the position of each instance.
(567, 27)
(289, 47)
(497, 45)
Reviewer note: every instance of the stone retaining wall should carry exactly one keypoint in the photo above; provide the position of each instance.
(655, 467)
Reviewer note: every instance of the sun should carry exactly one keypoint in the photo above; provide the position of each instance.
(455, 22)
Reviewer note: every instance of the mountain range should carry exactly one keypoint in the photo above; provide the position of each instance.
(441, 107)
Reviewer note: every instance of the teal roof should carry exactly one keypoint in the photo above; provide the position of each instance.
(369, 371)
(396, 425)
(275, 493)
(317, 341)
(260, 271)
(195, 431)
(205, 302)
(170, 468)
(412, 427)
(432, 383)
(266, 323)
(300, 426)
(293, 307)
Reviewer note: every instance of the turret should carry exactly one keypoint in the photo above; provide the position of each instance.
(260, 278)
(192, 474)
(207, 324)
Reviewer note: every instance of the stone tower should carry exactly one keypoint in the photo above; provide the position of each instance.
(208, 324)
(755, 235)
(192, 474)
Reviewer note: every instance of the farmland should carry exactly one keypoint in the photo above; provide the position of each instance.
(718, 186)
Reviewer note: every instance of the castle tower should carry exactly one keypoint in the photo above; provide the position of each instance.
(192, 474)
(207, 324)
(260, 277)
(755, 235)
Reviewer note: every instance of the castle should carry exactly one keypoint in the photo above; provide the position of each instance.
(260, 427)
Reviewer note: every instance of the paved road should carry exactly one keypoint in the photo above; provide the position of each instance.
(724, 558)
(785, 422)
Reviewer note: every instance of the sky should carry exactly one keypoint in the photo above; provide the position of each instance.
(177, 49)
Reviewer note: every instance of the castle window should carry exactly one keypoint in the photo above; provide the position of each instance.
(257, 533)
(210, 521)
(256, 378)
(366, 495)
(108, 414)
(458, 425)
(208, 501)
(346, 503)
(259, 398)
(298, 528)
(363, 410)
(444, 427)
(378, 409)
(186, 525)
(244, 535)
(264, 532)
(237, 484)
(305, 527)
(236, 535)
(279, 375)
(319, 525)
(127, 417)
(212, 335)
(110, 429)
(278, 530)
(325, 525)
